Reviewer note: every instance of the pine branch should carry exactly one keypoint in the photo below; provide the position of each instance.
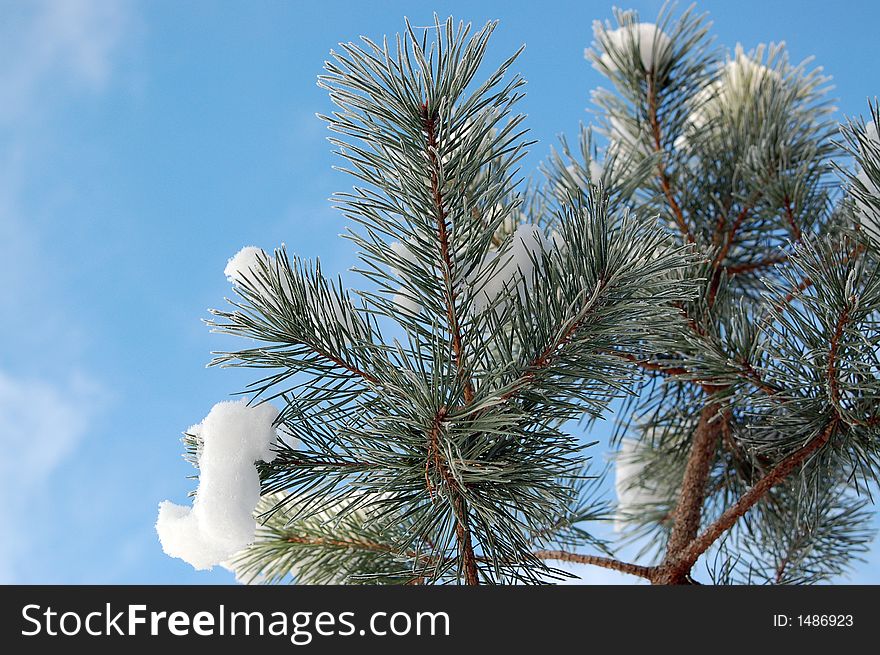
(684, 546)
(689, 555)
(646, 572)
(706, 246)
(686, 518)
(447, 268)
(462, 529)
(750, 267)
(665, 184)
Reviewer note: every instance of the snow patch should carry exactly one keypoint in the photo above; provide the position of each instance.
(515, 274)
(244, 266)
(220, 522)
(633, 493)
(739, 82)
(868, 216)
(650, 43)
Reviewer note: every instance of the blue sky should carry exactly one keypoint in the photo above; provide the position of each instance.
(141, 144)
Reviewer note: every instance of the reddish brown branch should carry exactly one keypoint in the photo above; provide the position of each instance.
(686, 517)
(806, 283)
(739, 269)
(465, 543)
(328, 542)
(833, 390)
(434, 460)
(721, 255)
(663, 178)
(348, 367)
(545, 357)
(651, 366)
(459, 506)
(604, 562)
(689, 555)
(429, 123)
(752, 376)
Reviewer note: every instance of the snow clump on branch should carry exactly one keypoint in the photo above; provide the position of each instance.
(221, 521)
(646, 41)
(869, 216)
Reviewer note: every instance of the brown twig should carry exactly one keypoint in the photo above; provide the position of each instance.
(646, 572)
(804, 284)
(739, 269)
(731, 515)
(654, 121)
(833, 382)
(459, 506)
(545, 357)
(688, 510)
(752, 376)
(717, 263)
(650, 366)
(348, 367)
(429, 124)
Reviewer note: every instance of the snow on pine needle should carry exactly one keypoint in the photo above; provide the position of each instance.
(220, 522)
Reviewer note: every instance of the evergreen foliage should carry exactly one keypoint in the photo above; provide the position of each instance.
(715, 265)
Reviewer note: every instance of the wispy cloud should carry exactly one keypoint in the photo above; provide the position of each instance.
(51, 54)
(41, 424)
(44, 44)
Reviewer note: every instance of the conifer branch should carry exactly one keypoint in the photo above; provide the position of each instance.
(692, 495)
(646, 572)
(692, 551)
(449, 276)
(665, 185)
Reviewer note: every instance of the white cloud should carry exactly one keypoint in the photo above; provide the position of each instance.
(46, 43)
(50, 53)
(41, 424)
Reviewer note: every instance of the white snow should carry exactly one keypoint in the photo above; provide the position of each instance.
(739, 81)
(242, 576)
(582, 178)
(243, 270)
(245, 265)
(515, 274)
(220, 521)
(404, 299)
(508, 224)
(632, 493)
(405, 302)
(651, 43)
(596, 170)
(868, 215)
(630, 141)
(403, 252)
(329, 309)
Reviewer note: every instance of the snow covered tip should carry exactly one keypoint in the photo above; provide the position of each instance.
(245, 264)
(633, 493)
(221, 520)
(868, 215)
(650, 43)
